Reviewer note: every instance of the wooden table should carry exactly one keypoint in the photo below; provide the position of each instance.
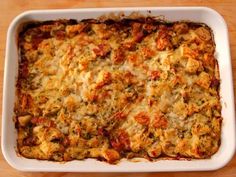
(10, 8)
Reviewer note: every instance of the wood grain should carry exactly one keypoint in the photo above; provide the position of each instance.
(10, 8)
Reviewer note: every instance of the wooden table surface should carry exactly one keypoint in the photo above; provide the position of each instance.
(10, 8)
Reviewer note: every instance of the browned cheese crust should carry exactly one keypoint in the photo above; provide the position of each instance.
(117, 89)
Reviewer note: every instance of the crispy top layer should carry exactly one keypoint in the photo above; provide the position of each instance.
(117, 89)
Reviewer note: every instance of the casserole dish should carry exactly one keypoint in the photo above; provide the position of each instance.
(203, 15)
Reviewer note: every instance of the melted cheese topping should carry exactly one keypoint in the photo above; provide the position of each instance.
(117, 90)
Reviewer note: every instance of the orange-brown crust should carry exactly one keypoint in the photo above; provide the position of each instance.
(117, 89)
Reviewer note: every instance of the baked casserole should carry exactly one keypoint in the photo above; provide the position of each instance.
(113, 89)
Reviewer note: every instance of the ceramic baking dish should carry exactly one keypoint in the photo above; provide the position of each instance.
(196, 14)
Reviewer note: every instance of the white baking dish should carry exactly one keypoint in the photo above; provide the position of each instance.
(197, 14)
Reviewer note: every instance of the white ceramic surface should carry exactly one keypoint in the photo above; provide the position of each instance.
(197, 14)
